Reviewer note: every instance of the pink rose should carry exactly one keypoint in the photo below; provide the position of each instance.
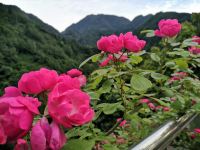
(196, 39)
(193, 136)
(166, 108)
(36, 82)
(197, 130)
(21, 145)
(74, 73)
(158, 107)
(45, 136)
(151, 106)
(132, 43)
(69, 107)
(144, 100)
(106, 61)
(12, 91)
(121, 123)
(82, 79)
(177, 76)
(168, 28)
(16, 116)
(121, 57)
(65, 82)
(194, 50)
(111, 44)
(77, 74)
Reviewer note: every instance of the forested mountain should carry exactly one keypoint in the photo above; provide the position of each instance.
(26, 43)
(91, 28)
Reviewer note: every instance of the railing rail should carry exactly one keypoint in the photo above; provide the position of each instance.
(162, 137)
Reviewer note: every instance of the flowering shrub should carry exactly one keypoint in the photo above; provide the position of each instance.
(123, 101)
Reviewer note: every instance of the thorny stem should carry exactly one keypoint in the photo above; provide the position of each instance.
(121, 91)
(114, 127)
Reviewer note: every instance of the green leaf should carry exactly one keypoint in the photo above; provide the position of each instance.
(158, 76)
(94, 95)
(106, 87)
(95, 82)
(155, 57)
(140, 83)
(88, 59)
(170, 64)
(196, 107)
(181, 63)
(175, 44)
(110, 108)
(135, 59)
(77, 144)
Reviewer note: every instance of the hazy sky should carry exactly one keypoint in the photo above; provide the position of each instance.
(62, 13)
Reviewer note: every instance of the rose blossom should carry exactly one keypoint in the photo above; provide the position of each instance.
(196, 39)
(106, 61)
(166, 108)
(35, 82)
(69, 107)
(151, 106)
(197, 130)
(168, 28)
(74, 73)
(16, 115)
(121, 123)
(111, 44)
(194, 50)
(132, 43)
(46, 136)
(21, 145)
(144, 100)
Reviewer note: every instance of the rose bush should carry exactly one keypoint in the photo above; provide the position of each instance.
(130, 94)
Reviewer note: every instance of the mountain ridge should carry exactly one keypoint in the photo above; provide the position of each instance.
(88, 30)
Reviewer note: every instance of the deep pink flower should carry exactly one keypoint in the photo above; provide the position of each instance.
(74, 73)
(196, 39)
(194, 102)
(69, 107)
(121, 57)
(111, 44)
(193, 136)
(121, 123)
(65, 82)
(106, 61)
(194, 50)
(132, 43)
(173, 99)
(178, 76)
(12, 91)
(144, 100)
(197, 130)
(47, 137)
(36, 82)
(82, 79)
(16, 116)
(166, 108)
(168, 28)
(158, 107)
(151, 106)
(21, 145)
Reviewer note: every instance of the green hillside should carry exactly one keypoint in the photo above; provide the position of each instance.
(26, 43)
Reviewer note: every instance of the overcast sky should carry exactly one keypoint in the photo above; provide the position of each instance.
(62, 13)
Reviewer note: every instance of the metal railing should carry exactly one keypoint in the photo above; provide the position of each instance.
(162, 137)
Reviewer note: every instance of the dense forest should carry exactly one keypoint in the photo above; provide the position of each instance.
(26, 43)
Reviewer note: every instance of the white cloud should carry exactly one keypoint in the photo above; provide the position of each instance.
(62, 13)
